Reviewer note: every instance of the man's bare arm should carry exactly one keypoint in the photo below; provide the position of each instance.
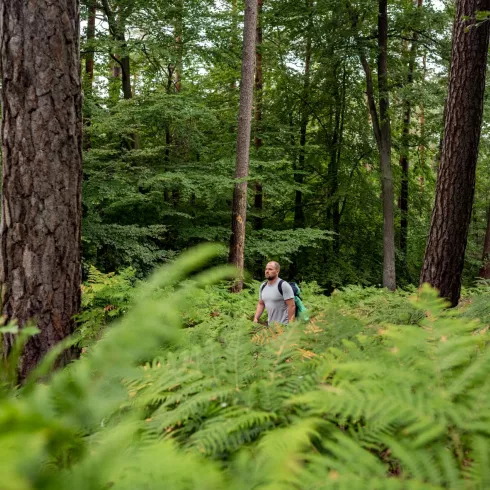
(291, 309)
(259, 310)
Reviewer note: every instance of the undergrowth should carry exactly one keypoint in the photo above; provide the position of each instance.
(377, 391)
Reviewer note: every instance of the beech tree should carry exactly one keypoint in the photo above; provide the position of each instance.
(382, 132)
(237, 242)
(42, 171)
(446, 244)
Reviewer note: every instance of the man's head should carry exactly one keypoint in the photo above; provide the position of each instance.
(272, 270)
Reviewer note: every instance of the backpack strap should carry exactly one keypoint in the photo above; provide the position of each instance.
(279, 286)
(262, 286)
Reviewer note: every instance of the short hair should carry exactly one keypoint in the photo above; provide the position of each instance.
(276, 265)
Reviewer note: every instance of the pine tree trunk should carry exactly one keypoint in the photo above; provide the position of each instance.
(42, 171)
(237, 243)
(259, 85)
(451, 216)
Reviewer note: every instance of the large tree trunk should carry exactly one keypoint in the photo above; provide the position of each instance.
(382, 133)
(259, 85)
(446, 244)
(40, 267)
(237, 243)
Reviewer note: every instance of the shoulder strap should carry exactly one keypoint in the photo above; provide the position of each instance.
(279, 286)
(262, 286)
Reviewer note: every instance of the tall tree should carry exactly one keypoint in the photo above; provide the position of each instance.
(382, 132)
(485, 268)
(299, 214)
(259, 98)
(411, 54)
(42, 170)
(89, 68)
(451, 216)
(239, 216)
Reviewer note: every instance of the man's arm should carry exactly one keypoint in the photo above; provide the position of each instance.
(291, 309)
(259, 310)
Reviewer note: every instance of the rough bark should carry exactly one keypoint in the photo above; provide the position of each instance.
(382, 133)
(451, 216)
(40, 267)
(239, 213)
(259, 85)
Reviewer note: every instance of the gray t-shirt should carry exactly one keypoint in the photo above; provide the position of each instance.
(275, 304)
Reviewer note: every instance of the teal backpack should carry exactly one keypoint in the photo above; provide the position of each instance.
(301, 311)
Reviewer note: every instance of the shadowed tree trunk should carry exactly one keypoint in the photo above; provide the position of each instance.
(382, 133)
(42, 171)
(451, 216)
(89, 70)
(239, 217)
(405, 145)
(485, 268)
(299, 214)
(333, 209)
(259, 85)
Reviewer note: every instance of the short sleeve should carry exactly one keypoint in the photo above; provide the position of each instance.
(287, 291)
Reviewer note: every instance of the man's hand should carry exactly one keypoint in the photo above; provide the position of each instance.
(259, 310)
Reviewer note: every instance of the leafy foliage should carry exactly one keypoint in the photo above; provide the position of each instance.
(338, 403)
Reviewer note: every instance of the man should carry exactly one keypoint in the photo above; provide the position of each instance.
(280, 307)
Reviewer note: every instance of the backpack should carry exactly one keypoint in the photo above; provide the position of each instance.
(301, 311)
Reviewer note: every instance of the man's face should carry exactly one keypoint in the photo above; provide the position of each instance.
(270, 272)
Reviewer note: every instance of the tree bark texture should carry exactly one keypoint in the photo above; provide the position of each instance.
(239, 213)
(451, 216)
(382, 133)
(40, 267)
(259, 86)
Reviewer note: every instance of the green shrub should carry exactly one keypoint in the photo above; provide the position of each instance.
(339, 403)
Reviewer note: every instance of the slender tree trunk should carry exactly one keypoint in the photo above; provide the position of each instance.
(89, 71)
(179, 47)
(237, 243)
(259, 85)
(40, 267)
(382, 133)
(405, 145)
(485, 268)
(299, 214)
(126, 72)
(451, 216)
(333, 210)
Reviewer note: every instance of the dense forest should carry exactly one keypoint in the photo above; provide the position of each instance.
(156, 155)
